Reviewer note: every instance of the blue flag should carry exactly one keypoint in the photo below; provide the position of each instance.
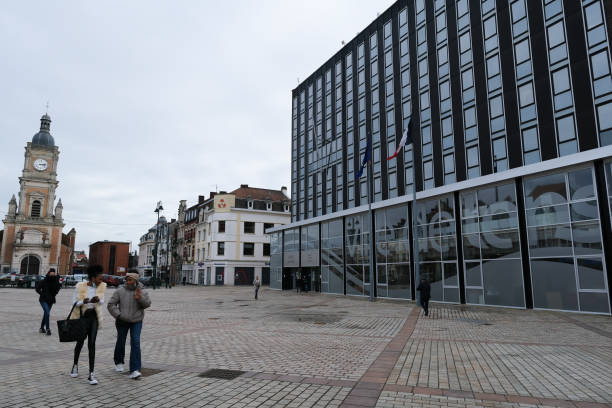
(366, 158)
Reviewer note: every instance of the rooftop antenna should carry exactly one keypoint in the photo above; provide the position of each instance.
(298, 81)
(47, 108)
(342, 42)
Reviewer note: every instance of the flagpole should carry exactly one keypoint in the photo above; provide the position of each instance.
(372, 253)
(415, 237)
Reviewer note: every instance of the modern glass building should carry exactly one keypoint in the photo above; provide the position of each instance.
(511, 109)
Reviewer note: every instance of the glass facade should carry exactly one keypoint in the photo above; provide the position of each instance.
(332, 257)
(357, 254)
(393, 253)
(489, 88)
(276, 260)
(565, 242)
(491, 247)
(437, 236)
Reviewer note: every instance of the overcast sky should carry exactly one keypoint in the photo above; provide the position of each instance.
(159, 100)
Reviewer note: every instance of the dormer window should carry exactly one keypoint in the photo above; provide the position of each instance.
(35, 212)
(250, 204)
(269, 205)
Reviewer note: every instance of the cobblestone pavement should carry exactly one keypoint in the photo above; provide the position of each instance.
(311, 350)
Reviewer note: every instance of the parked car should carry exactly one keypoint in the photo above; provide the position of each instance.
(5, 279)
(120, 279)
(30, 281)
(145, 280)
(79, 277)
(12, 279)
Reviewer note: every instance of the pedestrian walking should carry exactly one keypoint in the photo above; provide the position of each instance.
(88, 297)
(127, 306)
(184, 280)
(298, 281)
(47, 288)
(256, 285)
(168, 286)
(424, 289)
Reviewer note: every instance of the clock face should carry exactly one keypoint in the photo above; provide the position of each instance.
(40, 164)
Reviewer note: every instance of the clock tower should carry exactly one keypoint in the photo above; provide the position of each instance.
(32, 241)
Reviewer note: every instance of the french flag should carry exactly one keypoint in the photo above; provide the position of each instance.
(406, 138)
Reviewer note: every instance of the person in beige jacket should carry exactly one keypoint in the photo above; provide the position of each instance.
(127, 306)
(87, 298)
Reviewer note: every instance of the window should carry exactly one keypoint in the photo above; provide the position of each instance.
(493, 66)
(556, 35)
(561, 81)
(248, 249)
(249, 227)
(593, 15)
(268, 225)
(444, 90)
(470, 117)
(464, 42)
(266, 249)
(35, 212)
(496, 107)
(526, 94)
(221, 226)
(472, 156)
(565, 128)
(522, 51)
(600, 64)
(490, 28)
(220, 248)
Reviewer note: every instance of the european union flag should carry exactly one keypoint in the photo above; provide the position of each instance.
(366, 158)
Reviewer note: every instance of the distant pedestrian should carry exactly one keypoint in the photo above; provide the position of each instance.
(168, 286)
(47, 288)
(298, 281)
(424, 289)
(184, 280)
(256, 285)
(88, 297)
(128, 306)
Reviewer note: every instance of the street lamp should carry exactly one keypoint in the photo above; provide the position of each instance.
(159, 208)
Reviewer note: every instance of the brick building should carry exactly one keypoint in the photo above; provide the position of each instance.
(113, 256)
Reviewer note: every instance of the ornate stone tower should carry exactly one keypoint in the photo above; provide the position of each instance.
(33, 227)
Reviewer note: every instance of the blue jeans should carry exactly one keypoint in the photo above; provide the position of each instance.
(44, 324)
(122, 331)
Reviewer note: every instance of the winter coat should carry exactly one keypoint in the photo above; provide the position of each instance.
(125, 308)
(425, 289)
(48, 288)
(82, 294)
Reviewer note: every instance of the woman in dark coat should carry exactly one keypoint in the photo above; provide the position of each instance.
(47, 289)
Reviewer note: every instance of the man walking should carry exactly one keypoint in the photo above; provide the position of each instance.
(127, 307)
(256, 285)
(425, 293)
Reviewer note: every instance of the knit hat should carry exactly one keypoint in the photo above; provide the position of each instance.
(132, 275)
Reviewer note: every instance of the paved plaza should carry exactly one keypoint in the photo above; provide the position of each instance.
(311, 350)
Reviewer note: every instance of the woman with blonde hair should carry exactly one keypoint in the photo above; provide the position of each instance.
(88, 297)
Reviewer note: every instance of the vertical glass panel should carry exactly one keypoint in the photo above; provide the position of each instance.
(503, 283)
(554, 283)
(545, 190)
(472, 274)
(550, 241)
(587, 238)
(596, 302)
(399, 281)
(581, 184)
(591, 274)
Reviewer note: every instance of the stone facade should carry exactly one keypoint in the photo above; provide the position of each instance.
(33, 241)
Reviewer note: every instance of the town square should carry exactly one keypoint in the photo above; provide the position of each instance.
(347, 203)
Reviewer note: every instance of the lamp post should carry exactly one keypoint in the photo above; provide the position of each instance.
(159, 208)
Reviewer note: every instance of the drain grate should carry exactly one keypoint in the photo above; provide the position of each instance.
(222, 374)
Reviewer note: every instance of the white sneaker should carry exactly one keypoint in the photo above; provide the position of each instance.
(119, 368)
(135, 374)
(75, 371)
(92, 379)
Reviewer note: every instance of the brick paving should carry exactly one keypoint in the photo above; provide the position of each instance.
(313, 350)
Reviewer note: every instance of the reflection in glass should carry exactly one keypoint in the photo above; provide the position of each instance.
(591, 274)
(550, 241)
(503, 283)
(554, 284)
(545, 190)
(587, 239)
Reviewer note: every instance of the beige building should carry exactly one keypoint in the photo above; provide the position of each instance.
(32, 240)
(231, 247)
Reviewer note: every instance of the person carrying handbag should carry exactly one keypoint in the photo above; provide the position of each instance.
(88, 297)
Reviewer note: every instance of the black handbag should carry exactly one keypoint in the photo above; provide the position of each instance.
(72, 329)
